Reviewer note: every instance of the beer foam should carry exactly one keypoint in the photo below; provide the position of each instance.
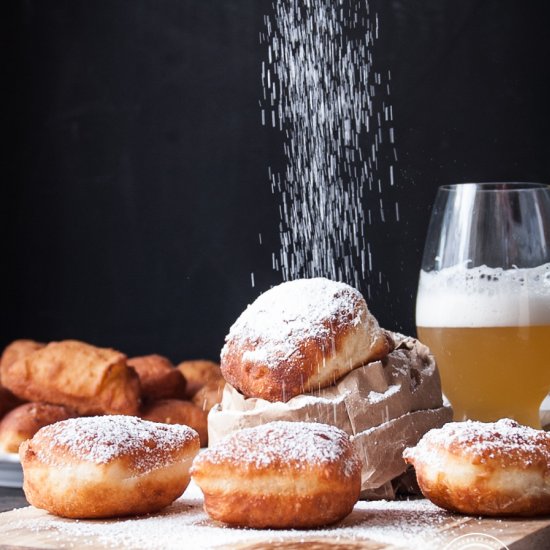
(484, 297)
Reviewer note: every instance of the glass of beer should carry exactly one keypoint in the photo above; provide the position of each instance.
(483, 303)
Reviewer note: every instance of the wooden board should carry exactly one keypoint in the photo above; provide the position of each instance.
(371, 525)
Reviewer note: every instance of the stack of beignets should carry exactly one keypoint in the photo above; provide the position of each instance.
(71, 378)
(309, 350)
(89, 379)
(62, 380)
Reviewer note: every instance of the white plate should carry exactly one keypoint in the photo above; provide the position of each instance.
(11, 473)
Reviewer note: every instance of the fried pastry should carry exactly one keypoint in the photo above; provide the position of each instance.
(8, 401)
(25, 420)
(485, 469)
(209, 395)
(89, 379)
(301, 336)
(199, 372)
(17, 350)
(280, 475)
(174, 411)
(107, 466)
(158, 377)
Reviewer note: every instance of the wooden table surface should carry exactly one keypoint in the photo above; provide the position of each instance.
(29, 528)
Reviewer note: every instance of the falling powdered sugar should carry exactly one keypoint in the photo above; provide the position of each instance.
(102, 439)
(324, 96)
(281, 319)
(301, 445)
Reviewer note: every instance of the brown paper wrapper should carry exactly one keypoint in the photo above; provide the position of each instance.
(386, 406)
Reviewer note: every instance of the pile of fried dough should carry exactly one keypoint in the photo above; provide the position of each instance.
(43, 383)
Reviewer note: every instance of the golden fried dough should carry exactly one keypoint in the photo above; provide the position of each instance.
(280, 475)
(8, 401)
(107, 466)
(209, 395)
(485, 469)
(174, 411)
(25, 420)
(14, 351)
(199, 372)
(88, 379)
(158, 377)
(17, 350)
(301, 336)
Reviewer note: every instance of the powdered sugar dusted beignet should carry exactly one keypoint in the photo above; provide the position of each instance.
(107, 466)
(301, 336)
(493, 469)
(280, 475)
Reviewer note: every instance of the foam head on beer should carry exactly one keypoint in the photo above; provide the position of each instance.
(489, 330)
(483, 297)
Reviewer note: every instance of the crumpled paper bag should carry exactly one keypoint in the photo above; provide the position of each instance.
(386, 406)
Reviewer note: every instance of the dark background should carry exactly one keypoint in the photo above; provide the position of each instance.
(135, 182)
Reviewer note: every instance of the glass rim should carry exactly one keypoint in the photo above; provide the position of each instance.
(497, 186)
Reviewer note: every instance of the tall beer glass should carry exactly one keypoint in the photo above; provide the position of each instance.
(483, 304)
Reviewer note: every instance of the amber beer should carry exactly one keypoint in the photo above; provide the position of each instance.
(490, 339)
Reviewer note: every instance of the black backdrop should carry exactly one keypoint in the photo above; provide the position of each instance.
(135, 184)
